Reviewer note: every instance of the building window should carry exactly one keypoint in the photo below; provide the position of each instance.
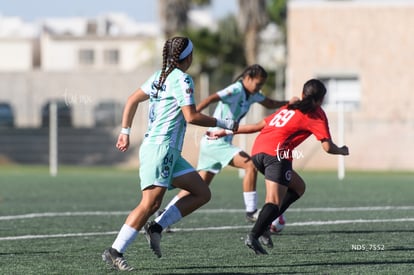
(344, 90)
(111, 57)
(86, 57)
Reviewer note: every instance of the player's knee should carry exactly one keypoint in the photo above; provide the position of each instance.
(300, 189)
(206, 196)
(249, 167)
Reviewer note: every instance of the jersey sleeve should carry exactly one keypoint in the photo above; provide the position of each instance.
(227, 93)
(148, 86)
(185, 91)
(259, 97)
(319, 126)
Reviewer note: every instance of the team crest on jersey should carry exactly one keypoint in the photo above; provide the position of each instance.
(187, 80)
(165, 172)
(154, 91)
(288, 175)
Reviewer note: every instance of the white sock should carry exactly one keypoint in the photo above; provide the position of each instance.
(172, 202)
(125, 237)
(171, 215)
(250, 201)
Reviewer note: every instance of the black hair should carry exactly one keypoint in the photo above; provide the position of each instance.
(253, 71)
(313, 91)
(173, 47)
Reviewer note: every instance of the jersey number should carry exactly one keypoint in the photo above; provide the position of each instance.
(281, 118)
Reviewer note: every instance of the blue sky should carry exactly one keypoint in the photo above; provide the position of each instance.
(141, 10)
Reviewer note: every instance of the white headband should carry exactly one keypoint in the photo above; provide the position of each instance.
(187, 50)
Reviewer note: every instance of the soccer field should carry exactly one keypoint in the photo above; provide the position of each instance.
(61, 225)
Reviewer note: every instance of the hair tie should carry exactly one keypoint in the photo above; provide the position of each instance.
(187, 50)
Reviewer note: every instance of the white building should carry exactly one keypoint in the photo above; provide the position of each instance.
(16, 44)
(77, 60)
(111, 42)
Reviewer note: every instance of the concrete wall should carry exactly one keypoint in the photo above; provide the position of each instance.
(27, 92)
(372, 40)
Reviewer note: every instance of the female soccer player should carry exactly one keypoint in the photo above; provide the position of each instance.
(234, 102)
(272, 153)
(162, 167)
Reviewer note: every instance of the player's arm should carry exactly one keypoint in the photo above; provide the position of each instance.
(243, 129)
(250, 128)
(332, 148)
(193, 117)
(273, 104)
(207, 101)
(128, 116)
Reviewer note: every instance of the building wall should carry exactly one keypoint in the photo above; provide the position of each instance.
(16, 54)
(27, 92)
(61, 53)
(372, 40)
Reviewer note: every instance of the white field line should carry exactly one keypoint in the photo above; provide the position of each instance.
(104, 213)
(311, 223)
(210, 211)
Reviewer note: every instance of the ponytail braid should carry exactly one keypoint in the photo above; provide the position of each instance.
(173, 47)
(313, 91)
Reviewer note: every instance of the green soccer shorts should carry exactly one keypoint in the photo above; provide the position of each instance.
(160, 164)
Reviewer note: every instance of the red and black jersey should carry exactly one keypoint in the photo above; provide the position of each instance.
(285, 129)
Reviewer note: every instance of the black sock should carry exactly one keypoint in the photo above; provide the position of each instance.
(290, 197)
(155, 227)
(115, 252)
(268, 213)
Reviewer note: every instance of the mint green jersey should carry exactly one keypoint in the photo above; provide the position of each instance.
(166, 123)
(234, 103)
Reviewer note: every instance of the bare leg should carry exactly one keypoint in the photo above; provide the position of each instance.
(243, 160)
(206, 176)
(198, 192)
(297, 183)
(150, 202)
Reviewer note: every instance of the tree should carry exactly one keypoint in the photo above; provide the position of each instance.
(277, 10)
(174, 14)
(252, 18)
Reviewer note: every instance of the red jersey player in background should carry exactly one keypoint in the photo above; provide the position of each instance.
(274, 150)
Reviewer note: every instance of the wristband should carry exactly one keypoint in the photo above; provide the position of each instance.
(126, 131)
(225, 123)
(229, 132)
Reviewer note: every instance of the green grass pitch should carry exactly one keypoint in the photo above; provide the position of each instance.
(61, 225)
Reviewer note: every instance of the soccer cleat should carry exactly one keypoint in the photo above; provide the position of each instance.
(278, 225)
(115, 260)
(252, 216)
(255, 245)
(153, 238)
(266, 239)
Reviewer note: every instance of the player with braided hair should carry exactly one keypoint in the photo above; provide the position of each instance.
(162, 167)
